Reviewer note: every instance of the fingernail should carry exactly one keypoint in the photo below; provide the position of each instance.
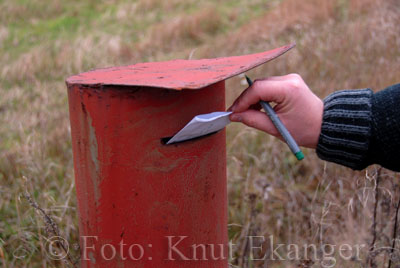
(235, 118)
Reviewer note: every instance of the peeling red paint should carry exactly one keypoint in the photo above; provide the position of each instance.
(177, 74)
(129, 185)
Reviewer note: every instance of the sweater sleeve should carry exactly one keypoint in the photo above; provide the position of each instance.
(360, 128)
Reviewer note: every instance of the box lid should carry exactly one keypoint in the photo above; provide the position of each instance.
(176, 74)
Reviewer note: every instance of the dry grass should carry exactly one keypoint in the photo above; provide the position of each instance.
(340, 44)
(184, 31)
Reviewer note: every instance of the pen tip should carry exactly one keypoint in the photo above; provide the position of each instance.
(248, 80)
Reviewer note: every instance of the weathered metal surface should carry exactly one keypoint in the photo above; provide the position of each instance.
(177, 74)
(137, 198)
(132, 188)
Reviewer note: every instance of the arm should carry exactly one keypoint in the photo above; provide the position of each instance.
(354, 128)
(360, 128)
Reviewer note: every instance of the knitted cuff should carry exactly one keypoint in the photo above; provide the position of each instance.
(346, 128)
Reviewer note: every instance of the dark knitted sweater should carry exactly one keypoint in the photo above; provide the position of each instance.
(361, 128)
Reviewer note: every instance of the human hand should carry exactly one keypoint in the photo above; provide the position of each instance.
(298, 108)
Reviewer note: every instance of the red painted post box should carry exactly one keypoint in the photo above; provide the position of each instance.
(143, 203)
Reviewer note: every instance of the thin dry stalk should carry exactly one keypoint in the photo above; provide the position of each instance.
(2, 257)
(247, 231)
(394, 234)
(51, 228)
(370, 258)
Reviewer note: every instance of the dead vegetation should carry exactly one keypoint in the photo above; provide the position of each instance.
(189, 30)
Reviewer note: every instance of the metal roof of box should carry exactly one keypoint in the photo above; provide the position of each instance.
(176, 74)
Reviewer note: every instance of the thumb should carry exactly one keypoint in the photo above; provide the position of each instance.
(255, 119)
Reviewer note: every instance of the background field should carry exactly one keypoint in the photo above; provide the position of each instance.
(341, 44)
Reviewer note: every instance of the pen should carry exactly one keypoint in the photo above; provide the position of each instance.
(279, 126)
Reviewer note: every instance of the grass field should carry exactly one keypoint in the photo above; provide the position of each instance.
(341, 44)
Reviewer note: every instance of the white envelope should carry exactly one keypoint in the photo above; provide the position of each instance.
(201, 125)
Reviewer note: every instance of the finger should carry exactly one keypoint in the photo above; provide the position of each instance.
(273, 78)
(255, 119)
(256, 106)
(267, 90)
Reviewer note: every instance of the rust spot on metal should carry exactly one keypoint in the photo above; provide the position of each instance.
(91, 257)
(94, 154)
(93, 145)
(176, 74)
